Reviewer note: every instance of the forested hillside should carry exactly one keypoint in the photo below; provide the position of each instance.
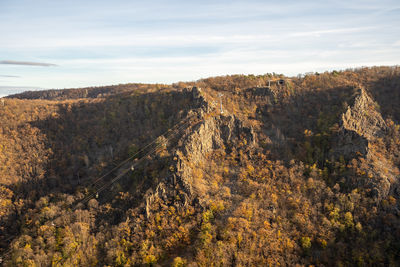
(224, 171)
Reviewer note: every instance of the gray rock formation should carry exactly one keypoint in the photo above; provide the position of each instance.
(212, 133)
(362, 126)
(363, 117)
(207, 134)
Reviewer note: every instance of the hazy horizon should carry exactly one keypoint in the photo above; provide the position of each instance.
(10, 90)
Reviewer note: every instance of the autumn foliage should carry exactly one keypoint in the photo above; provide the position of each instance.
(310, 187)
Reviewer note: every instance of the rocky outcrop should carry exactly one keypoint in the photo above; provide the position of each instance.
(206, 134)
(211, 134)
(362, 127)
(364, 118)
(350, 144)
(360, 124)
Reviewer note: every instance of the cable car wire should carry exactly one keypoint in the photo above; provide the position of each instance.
(169, 133)
(119, 176)
(166, 134)
(138, 152)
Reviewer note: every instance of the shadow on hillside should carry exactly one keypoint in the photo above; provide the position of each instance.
(286, 121)
(88, 139)
(386, 92)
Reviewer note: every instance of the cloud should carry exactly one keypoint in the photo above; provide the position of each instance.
(9, 76)
(26, 63)
(330, 31)
(103, 41)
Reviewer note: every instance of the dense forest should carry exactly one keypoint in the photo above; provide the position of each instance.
(239, 170)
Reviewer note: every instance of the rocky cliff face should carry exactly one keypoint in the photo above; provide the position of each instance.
(208, 132)
(211, 134)
(363, 117)
(360, 124)
(362, 134)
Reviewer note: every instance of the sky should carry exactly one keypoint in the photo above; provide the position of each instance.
(68, 44)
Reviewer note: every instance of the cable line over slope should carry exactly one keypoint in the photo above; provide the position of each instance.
(168, 135)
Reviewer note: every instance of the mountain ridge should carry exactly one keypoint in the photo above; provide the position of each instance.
(299, 173)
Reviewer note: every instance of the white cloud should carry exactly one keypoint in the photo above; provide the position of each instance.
(149, 40)
(318, 33)
(166, 42)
